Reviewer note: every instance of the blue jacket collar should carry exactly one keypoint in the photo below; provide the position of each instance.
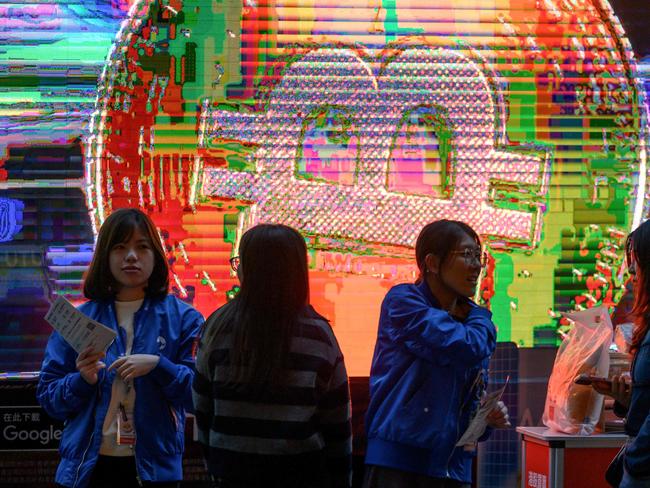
(426, 292)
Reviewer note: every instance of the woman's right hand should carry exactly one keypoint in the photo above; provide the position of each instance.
(89, 364)
(620, 389)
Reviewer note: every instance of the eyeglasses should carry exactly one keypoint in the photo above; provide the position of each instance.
(234, 263)
(472, 256)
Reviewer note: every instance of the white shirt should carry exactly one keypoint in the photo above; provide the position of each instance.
(122, 392)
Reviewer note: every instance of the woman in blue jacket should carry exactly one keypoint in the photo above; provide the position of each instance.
(124, 424)
(634, 403)
(429, 367)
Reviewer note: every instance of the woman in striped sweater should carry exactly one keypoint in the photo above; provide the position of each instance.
(271, 391)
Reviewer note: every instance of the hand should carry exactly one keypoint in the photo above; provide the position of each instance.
(88, 364)
(620, 390)
(461, 309)
(135, 365)
(498, 417)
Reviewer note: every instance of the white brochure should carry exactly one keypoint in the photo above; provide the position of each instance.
(78, 330)
(479, 423)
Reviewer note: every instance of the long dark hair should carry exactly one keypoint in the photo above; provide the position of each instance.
(99, 282)
(637, 250)
(274, 291)
(439, 238)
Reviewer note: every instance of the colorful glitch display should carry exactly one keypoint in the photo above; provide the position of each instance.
(357, 123)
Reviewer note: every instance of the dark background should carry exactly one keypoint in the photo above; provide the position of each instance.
(635, 17)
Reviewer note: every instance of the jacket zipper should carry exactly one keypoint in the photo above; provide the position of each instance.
(174, 417)
(461, 407)
(135, 443)
(135, 458)
(453, 447)
(92, 436)
(83, 458)
(136, 327)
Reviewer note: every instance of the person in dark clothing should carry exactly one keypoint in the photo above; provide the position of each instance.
(634, 402)
(271, 392)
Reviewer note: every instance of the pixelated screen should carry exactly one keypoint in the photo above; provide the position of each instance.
(355, 122)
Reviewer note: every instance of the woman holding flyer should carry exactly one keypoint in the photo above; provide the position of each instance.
(124, 423)
(429, 367)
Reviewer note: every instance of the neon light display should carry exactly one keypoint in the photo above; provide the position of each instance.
(357, 123)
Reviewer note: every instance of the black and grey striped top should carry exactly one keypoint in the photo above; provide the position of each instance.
(297, 436)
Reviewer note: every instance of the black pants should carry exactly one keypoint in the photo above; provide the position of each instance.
(114, 471)
(221, 483)
(381, 477)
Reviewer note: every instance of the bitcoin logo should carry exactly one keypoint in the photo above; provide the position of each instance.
(438, 81)
(357, 123)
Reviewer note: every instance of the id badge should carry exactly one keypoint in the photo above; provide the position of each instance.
(125, 427)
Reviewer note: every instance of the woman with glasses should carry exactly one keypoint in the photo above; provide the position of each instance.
(428, 370)
(271, 391)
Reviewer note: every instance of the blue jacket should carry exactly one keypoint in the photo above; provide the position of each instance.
(427, 374)
(637, 454)
(166, 327)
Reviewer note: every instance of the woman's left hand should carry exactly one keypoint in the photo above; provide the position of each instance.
(129, 367)
(498, 417)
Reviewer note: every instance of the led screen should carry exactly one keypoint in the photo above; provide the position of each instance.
(355, 122)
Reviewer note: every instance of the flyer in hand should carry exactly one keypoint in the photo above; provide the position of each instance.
(78, 330)
(479, 423)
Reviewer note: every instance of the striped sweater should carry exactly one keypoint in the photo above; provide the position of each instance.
(298, 437)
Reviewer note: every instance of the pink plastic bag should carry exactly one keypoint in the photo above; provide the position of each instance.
(571, 408)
